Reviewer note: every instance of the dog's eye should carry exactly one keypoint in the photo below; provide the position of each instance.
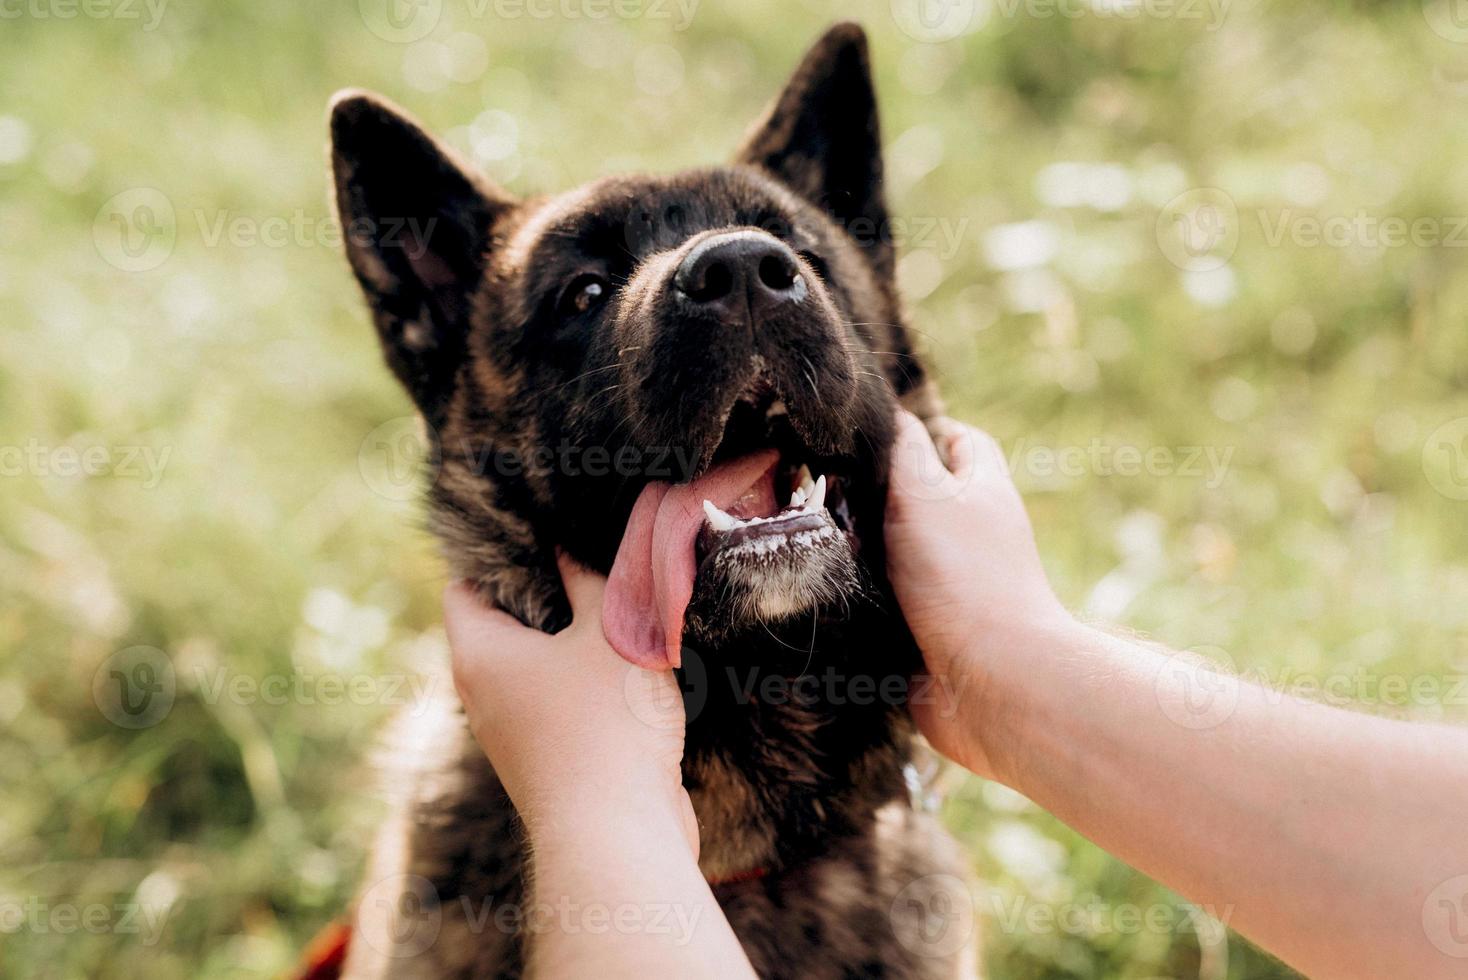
(584, 294)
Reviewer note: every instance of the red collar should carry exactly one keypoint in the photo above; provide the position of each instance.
(326, 954)
(750, 874)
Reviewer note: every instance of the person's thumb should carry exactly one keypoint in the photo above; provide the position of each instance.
(479, 637)
(584, 588)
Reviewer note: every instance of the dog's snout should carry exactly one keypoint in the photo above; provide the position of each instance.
(725, 272)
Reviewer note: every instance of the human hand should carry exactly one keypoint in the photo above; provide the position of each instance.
(576, 734)
(962, 560)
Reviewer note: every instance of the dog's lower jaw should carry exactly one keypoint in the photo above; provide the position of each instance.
(765, 571)
(735, 592)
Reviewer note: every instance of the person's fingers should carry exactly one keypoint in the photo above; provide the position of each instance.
(917, 469)
(468, 620)
(984, 457)
(584, 588)
(957, 442)
(912, 435)
(476, 632)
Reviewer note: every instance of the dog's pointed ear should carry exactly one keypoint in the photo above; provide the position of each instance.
(821, 137)
(416, 223)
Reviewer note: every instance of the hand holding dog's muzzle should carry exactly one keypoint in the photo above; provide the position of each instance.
(573, 730)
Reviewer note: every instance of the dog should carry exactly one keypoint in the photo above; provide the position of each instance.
(688, 383)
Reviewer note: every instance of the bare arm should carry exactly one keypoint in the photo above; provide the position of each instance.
(617, 893)
(1321, 832)
(589, 749)
(1331, 838)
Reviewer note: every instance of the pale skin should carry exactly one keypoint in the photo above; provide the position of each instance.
(588, 747)
(1327, 836)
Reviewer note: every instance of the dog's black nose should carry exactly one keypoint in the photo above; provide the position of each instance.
(724, 272)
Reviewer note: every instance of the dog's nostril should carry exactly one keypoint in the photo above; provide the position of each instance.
(716, 282)
(776, 272)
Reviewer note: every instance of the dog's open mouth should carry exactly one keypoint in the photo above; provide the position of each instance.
(788, 509)
(765, 530)
(758, 526)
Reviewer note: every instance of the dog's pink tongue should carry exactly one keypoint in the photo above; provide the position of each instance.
(651, 580)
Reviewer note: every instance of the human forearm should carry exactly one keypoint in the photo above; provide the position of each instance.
(589, 749)
(1318, 832)
(616, 892)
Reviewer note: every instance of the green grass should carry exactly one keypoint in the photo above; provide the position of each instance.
(261, 555)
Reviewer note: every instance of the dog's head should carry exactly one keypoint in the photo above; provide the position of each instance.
(686, 381)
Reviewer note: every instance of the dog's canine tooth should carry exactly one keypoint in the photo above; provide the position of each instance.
(818, 494)
(720, 520)
(803, 480)
(777, 408)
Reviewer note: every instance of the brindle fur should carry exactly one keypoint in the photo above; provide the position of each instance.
(811, 791)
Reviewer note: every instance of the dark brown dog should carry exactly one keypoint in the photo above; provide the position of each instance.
(687, 382)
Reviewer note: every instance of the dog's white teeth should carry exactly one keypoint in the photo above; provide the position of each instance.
(717, 518)
(804, 481)
(777, 408)
(809, 493)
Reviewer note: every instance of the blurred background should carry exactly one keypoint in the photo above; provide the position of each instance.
(1199, 264)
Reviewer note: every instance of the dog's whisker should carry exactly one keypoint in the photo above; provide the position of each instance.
(586, 374)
